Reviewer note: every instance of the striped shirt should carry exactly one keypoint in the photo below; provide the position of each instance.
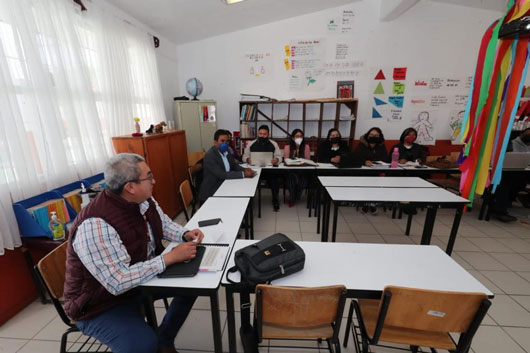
(102, 252)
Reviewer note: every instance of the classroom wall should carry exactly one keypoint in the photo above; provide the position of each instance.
(430, 39)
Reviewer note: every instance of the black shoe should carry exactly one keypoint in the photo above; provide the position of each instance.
(276, 206)
(505, 217)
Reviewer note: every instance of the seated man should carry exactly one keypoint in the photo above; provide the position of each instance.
(512, 183)
(264, 144)
(219, 165)
(115, 246)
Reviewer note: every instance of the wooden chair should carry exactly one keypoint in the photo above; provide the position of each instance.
(286, 313)
(195, 177)
(51, 272)
(419, 318)
(186, 196)
(194, 157)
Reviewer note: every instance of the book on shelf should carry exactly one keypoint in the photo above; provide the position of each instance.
(247, 131)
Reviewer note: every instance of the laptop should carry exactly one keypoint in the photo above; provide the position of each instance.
(261, 159)
(516, 160)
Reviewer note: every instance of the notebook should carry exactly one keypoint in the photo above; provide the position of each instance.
(210, 258)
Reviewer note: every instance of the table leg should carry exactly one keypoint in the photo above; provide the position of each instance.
(150, 314)
(247, 223)
(335, 218)
(325, 217)
(251, 218)
(454, 230)
(484, 206)
(409, 224)
(216, 323)
(428, 226)
(230, 319)
(259, 199)
(318, 208)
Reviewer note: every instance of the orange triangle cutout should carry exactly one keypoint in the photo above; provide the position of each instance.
(380, 76)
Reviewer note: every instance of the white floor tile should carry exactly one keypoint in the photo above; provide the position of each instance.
(362, 228)
(491, 339)
(11, 345)
(196, 334)
(482, 261)
(54, 330)
(484, 280)
(507, 312)
(287, 226)
(370, 238)
(514, 262)
(29, 321)
(510, 282)
(520, 335)
(34, 346)
(490, 245)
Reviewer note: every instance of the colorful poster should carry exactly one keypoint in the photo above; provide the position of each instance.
(305, 63)
(397, 101)
(400, 73)
(455, 125)
(421, 84)
(423, 122)
(398, 88)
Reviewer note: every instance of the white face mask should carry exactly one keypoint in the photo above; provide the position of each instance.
(298, 140)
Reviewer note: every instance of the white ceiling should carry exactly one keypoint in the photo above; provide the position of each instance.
(183, 21)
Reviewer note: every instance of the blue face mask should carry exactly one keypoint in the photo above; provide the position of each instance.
(223, 147)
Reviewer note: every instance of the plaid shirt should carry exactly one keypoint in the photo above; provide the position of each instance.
(102, 252)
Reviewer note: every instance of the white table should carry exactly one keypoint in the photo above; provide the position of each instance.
(365, 270)
(431, 198)
(376, 182)
(231, 211)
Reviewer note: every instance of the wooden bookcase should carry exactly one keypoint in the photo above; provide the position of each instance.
(167, 157)
(315, 117)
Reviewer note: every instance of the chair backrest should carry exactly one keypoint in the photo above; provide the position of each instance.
(52, 268)
(185, 193)
(300, 307)
(194, 157)
(430, 310)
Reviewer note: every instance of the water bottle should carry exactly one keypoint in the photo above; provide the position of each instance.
(56, 227)
(395, 158)
(85, 198)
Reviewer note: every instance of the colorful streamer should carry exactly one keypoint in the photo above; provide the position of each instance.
(493, 100)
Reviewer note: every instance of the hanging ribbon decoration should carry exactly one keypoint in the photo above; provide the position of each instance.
(492, 104)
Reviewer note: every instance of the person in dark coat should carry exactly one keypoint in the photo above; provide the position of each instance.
(409, 151)
(371, 147)
(332, 150)
(219, 165)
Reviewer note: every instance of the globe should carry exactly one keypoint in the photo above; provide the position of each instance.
(194, 87)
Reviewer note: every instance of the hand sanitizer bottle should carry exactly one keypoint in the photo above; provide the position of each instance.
(56, 227)
(85, 199)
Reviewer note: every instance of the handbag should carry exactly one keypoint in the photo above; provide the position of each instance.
(274, 257)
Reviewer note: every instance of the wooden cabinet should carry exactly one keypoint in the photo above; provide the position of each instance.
(167, 157)
(199, 120)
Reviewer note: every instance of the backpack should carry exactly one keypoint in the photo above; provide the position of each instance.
(274, 257)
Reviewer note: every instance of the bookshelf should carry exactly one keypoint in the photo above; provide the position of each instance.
(314, 116)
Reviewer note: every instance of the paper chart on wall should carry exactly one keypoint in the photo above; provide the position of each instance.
(388, 92)
(304, 62)
(424, 121)
(455, 125)
(258, 66)
(347, 21)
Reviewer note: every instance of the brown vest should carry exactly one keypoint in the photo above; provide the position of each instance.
(84, 296)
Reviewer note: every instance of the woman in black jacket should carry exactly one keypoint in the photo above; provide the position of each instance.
(408, 150)
(332, 150)
(371, 147)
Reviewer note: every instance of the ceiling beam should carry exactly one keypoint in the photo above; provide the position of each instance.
(392, 9)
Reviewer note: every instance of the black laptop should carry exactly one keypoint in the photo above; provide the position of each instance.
(184, 269)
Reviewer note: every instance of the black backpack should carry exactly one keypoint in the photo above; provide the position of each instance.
(271, 258)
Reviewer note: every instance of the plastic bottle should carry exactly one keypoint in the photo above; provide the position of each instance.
(85, 198)
(56, 227)
(395, 158)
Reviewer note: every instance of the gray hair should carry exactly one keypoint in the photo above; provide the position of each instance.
(121, 169)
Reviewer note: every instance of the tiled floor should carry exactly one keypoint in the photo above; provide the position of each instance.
(497, 254)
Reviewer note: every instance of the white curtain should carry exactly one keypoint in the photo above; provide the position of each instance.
(69, 81)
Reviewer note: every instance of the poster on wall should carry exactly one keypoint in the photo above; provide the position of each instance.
(455, 124)
(424, 122)
(388, 90)
(347, 21)
(304, 61)
(258, 66)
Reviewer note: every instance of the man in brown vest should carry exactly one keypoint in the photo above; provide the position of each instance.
(115, 245)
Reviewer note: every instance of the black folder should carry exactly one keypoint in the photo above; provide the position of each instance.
(184, 269)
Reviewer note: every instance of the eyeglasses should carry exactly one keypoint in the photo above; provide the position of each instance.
(150, 176)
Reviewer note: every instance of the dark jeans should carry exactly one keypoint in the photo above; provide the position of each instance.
(124, 329)
(272, 180)
(296, 183)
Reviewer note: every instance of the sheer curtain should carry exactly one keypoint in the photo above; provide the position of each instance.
(69, 81)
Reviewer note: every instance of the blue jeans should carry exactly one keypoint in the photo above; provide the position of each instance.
(124, 329)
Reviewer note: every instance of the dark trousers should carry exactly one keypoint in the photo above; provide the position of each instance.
(507, 190)
(296, 184)
(124, 329)
(272, 181)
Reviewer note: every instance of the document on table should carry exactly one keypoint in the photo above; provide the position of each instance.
(214, 257)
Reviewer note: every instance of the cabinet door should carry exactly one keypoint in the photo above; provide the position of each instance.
(190, 123)
(157, 149)
(129, 145)
(207, 132)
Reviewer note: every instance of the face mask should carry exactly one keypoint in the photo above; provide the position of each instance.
(410, 139)
(335, 139)
(298, 140)
(223, 147)
(263, 139)
(373, 139)
(526, 139)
